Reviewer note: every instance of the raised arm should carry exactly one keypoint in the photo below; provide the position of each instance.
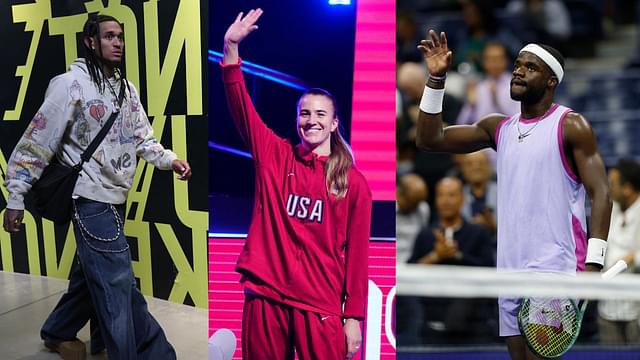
(580, 144)
(431, 133)
(255, 133)
(239, 30)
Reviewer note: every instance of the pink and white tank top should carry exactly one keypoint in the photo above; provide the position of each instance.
(541, 201)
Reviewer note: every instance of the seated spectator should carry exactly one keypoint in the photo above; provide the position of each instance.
(430, 166)
(492, 94)
(405, 156)
(410, 82)
(412, 213)
(407, 38)
(454, 241)
(618, 320)
(481, 27)
(542, 21)
(480, 190)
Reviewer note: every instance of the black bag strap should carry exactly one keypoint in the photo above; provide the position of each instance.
(86, 155)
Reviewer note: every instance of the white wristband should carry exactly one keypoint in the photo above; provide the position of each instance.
(596, 250)
(431, 102)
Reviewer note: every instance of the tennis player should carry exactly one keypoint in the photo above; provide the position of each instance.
(304, 263)
(547, 158)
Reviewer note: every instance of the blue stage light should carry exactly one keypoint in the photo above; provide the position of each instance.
(230, 150)
(339, 2)
(265, 72)
(227, 235)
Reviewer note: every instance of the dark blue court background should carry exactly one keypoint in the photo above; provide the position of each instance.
(602, 353)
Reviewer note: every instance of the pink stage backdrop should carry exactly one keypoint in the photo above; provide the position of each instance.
(226, 297)
(373, 126)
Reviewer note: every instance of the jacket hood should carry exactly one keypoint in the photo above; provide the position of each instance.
(79, 66)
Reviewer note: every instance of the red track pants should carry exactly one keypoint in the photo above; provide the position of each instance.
(271, 331)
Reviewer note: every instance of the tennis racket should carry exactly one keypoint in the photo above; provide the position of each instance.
(551, 326)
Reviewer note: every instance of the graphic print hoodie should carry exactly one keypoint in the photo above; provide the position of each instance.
(73, 112)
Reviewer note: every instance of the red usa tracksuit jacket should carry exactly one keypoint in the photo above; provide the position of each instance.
(305, 248)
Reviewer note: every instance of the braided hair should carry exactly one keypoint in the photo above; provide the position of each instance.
(93, 56)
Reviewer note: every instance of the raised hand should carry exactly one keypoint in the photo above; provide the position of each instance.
(237, 32)
(436, 53)
(443, 248)
(242, 26)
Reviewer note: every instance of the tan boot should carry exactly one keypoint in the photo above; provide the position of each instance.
(68, 350)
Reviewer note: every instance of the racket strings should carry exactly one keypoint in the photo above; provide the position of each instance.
(550, 326)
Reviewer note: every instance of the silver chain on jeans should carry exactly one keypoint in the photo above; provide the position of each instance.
(118, 224)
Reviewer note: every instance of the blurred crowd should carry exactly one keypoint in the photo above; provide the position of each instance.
(446, 204)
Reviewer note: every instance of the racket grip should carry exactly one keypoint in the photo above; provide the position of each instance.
(616, 269)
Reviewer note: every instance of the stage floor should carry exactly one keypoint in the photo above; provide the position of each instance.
(26, 300)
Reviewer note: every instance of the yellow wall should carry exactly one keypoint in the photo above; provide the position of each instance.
(160, 70)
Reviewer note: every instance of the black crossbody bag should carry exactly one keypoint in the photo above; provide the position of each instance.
(54, 189)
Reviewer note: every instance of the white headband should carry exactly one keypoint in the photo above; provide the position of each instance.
(548, 59)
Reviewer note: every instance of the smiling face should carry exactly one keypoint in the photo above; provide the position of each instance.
(316, 121)
(531, 77)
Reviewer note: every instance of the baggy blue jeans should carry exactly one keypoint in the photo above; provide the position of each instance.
(103, 286)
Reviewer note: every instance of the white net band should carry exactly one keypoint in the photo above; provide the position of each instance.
(478, 282)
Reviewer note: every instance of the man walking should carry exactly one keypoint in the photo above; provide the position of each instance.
(77, 104)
